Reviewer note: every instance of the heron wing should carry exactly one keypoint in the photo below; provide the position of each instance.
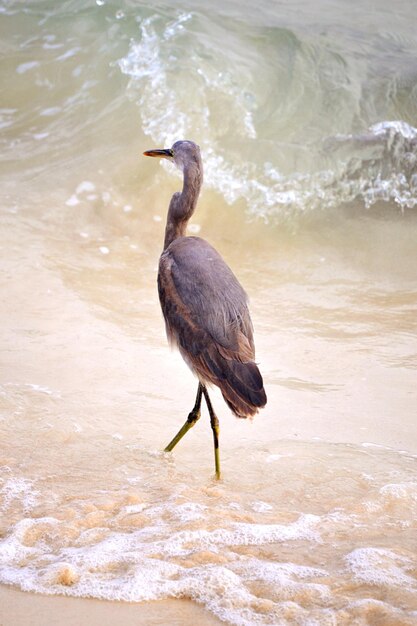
(202, 300)
(207, 316)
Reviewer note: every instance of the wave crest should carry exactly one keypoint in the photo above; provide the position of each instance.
(186, 86)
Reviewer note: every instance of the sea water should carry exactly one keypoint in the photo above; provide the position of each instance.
(306, 117)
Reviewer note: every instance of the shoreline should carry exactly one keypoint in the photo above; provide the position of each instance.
(20, 608)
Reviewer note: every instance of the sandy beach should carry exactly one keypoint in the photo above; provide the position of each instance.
(18, 608)
(21, 609)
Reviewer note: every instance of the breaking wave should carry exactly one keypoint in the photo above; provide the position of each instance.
(186, 86)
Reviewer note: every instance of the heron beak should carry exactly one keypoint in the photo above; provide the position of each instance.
(164, 154)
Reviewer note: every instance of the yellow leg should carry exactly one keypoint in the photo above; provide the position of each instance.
(191, 420)
(214, 423)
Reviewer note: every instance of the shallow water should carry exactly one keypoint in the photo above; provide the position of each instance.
(305, 119)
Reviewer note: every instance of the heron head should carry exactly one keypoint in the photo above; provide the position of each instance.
(182, 154)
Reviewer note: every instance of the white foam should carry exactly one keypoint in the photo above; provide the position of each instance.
(26, 67)
(133, 508)
(381, 567)
(397, 126)
(13, 551)
(261, 507)
(189, 511)
(400, 491)
(72, 201)
(42, 389)
(40, 136)
(167, 115)
(242, 534)
(68, 54)
(85, 186)
(20, 490)
(145, 564)
(50, 111)
(156, 540)
(276, 457)
(135, 480)
(289, 580)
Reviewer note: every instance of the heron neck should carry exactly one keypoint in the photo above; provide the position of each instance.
(183, 204)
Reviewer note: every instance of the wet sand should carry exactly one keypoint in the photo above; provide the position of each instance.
(21, 609)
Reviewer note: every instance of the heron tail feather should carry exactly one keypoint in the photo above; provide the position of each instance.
(240, 383)
(243, 388)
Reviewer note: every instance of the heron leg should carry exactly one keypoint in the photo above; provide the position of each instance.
(191, 420)
(214, 423)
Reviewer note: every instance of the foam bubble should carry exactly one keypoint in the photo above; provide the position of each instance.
(149, 541)
(50, 111)
(68, 54)
(21, 490)
(189, 511)
(40, 136)
(72, 201)
(261, 507)
(22, 68)
(400, 491)
(398, 126)
(85, 186)
(243, 534)
(276, 457)
(377, 566)
(42, 389)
